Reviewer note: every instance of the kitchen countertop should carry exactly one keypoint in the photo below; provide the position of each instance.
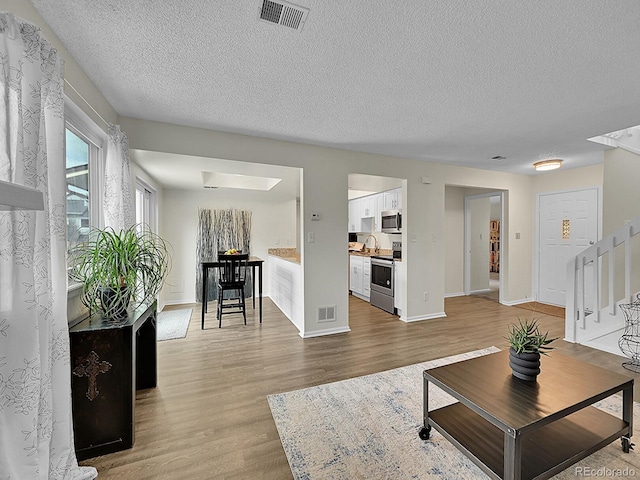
(288, 254)
(369, 252)
(293, 256)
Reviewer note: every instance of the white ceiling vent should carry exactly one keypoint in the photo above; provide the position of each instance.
(284, 13)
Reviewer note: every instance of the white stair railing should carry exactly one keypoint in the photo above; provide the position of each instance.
(585, 320)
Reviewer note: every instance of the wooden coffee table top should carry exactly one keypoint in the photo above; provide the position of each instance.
(564, 385)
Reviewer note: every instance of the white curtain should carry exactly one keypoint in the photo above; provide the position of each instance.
(119, 210)
(36, 434)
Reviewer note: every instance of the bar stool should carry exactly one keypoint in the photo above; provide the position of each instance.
(233, 274)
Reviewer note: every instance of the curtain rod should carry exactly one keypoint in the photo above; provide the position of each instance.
(108, 124)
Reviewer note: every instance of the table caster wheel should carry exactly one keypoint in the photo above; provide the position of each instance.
(626, 444)
(424, 432)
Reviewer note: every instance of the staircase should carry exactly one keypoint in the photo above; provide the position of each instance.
(602, 271)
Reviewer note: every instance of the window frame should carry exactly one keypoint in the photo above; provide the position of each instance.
(81, 125)
(150, 205)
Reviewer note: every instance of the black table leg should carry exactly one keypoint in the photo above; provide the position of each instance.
(253, 285)
(260, 288)
(204, 293)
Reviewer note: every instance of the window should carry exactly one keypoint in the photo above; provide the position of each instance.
(83, 156)
(146, 205)
(78, 206)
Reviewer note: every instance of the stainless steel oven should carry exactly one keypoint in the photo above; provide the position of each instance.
(381, 295)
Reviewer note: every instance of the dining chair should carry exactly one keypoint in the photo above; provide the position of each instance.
(232, 278)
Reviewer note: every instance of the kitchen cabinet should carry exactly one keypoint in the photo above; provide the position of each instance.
(367, 206)
(393, 199)
(354, 215)
(355, 269)
(365, 212)
(360, 276)
(362, 213)
(398, 285)
(378, 201)
(285, 280)
(366, 277)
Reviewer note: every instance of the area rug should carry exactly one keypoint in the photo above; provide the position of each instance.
(173, 324)
(538, 307)
(367, 428)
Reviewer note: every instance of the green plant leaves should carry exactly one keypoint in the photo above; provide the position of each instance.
(135, 258)
(525, 337)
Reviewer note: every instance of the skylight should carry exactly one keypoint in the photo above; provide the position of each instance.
(234, 180)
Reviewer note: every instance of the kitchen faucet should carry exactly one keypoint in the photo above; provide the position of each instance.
(375, 249)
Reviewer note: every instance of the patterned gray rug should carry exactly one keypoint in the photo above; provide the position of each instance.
(173, 324)
(367, 428)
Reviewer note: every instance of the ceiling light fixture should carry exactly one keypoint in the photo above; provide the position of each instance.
(545, 165)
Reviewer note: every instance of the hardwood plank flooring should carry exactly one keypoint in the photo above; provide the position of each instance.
(208, 418)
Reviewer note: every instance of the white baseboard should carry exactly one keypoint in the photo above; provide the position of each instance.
(484, 290)
(327, 331)
(176, 302)
(419, 318)
(456, 294)
(513, 303)
(361, 297)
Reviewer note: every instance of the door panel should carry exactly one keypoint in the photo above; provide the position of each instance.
(576, 215)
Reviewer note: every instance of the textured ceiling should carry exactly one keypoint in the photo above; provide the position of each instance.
(453, 81)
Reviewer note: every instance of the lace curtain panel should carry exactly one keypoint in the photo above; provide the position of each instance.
(36, 434)
(119, 210)
(221, 230)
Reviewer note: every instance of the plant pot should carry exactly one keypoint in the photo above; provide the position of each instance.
(525, 366)
(114, 303)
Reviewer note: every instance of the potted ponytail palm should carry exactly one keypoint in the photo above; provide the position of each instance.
(119, 268)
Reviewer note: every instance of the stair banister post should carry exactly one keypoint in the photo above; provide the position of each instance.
(570, 317)
(612, 275)
(627, 264)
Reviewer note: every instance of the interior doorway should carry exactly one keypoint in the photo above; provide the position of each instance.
(483, 254)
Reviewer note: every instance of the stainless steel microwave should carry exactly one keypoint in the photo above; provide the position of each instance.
(391, 221)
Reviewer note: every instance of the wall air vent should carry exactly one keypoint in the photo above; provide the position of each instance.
(498, 157)
(284, 13)
(327, 313)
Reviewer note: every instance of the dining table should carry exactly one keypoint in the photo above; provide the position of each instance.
(254, 262)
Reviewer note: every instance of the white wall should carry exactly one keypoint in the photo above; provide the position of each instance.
(621, 203)
(454, 241)
(273, 219)
(325, 175)
(479, 216)
(561, 180)
(621, 192)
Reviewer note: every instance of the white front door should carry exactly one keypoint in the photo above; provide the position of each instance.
(568, 223)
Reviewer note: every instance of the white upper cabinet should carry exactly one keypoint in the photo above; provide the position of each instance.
(364, 212)
(393, 199)
(379, 207)
(367, 206)
(354, 215)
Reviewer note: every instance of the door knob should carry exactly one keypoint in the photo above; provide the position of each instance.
(591, 242)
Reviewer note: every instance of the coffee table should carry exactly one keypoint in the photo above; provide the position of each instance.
(518, 430)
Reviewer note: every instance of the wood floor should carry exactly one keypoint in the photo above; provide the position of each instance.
(209, 418)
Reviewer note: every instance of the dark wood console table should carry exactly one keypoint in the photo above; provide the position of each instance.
(520, 430)
(110, 360)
